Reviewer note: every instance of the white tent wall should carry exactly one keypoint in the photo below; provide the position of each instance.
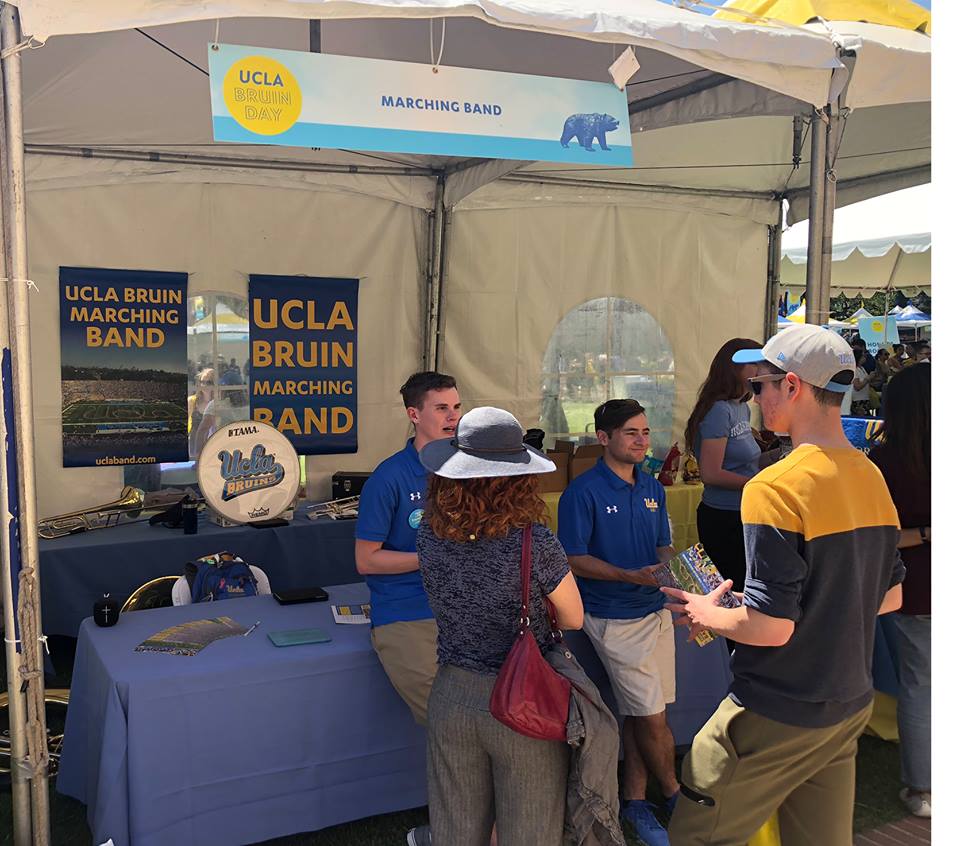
(519, 263)
(220, 233)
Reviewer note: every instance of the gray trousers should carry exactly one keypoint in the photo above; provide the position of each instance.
(913, 703)
(479, 770)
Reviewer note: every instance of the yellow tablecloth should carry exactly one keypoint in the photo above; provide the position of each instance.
(682, 502)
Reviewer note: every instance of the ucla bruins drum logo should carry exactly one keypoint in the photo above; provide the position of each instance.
(248, 472)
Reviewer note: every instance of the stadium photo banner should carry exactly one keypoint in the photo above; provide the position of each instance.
(303, 360)
(123, 366)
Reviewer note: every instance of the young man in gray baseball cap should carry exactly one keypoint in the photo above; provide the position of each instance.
(821, 538)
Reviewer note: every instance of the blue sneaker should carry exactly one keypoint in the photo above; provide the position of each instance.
(646, 827)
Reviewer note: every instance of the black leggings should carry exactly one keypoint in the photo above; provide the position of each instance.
(721, 533)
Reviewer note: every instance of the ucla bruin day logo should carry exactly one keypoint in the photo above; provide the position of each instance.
(243, 475)
(415, 518)
(262, 95)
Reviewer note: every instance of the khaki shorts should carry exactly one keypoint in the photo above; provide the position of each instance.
(408, 652)
(639, 657)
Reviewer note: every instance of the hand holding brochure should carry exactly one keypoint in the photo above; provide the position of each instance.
(693, 571)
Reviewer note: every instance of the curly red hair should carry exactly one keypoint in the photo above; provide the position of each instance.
(467, 509)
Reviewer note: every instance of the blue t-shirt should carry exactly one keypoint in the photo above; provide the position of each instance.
(623, 524)
(391, 508)
(729, 419)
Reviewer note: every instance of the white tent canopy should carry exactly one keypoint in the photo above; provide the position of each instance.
(703, 85)
(714, 151)
(869, 265)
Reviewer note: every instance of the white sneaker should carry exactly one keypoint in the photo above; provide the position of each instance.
(419, 836)
(919, 804)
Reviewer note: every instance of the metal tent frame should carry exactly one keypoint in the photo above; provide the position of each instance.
(19, 545)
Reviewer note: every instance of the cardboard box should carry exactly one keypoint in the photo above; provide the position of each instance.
(563, 445)
(589, 451)
(557, 480)
(584, 458)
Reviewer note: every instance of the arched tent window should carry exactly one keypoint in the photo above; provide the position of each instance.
(603, 349)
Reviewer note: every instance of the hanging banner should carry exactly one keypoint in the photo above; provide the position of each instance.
(262, 96)
(123, 366)
(878, 332)
(862, 432)
(303, 360)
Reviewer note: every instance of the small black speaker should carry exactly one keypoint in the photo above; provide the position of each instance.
(106, 611)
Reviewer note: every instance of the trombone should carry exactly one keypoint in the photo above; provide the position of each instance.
(131, 503)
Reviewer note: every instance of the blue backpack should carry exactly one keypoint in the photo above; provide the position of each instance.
(219, 576)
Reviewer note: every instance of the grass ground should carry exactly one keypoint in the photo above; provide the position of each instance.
(876, 803)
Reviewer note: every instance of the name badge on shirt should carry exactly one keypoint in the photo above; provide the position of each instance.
(652, 504)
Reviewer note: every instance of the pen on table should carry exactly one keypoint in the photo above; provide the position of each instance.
(251, 628)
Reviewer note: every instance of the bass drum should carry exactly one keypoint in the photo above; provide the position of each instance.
(248, 473)
(56, 701)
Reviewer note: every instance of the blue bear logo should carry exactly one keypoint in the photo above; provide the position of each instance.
(587, 127)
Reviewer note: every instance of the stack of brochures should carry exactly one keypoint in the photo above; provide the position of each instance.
(190, 638)
(693, 571)
(355, 614)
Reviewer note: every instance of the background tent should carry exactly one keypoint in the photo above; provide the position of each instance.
(865, 266)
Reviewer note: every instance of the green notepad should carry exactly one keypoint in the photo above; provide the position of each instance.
(296, 637)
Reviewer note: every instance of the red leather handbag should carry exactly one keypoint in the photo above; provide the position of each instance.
(529, 695)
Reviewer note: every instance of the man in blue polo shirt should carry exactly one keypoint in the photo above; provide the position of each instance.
(613, 525)
(403, 631)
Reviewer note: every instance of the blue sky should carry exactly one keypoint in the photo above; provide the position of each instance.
(924, 3)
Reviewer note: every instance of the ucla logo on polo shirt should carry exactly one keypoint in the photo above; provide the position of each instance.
(415, 518)
(651, 504)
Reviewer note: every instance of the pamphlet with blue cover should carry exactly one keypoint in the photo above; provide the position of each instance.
(694, 572)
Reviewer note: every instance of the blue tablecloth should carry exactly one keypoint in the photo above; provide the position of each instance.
(242, 742)
(77, 570)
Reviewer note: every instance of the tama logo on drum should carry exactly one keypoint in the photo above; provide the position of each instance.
(244, 475)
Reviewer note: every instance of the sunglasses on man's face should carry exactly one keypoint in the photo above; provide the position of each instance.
(757, 382)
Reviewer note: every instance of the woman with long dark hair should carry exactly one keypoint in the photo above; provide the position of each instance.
(903, 457)
(481, 496)
(718, 433)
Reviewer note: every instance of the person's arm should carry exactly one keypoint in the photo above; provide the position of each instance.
(591, 567)
(913, 537)
(744, 624)
(373, 560)
(776, 573)
(711, 466)
(892, 600)
(379, 502)
(567, 603)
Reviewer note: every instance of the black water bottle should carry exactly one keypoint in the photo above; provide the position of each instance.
(189, 516)
(106, 611)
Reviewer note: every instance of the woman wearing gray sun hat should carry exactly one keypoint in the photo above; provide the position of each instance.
(482, 494)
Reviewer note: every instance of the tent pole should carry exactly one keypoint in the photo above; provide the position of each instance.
(818, 150)
(832, 146)
(10, 551)
(773, 276)
(432, 334)
(15, 214)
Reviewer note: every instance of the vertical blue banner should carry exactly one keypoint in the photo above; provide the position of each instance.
(303, 360)
(123, 366)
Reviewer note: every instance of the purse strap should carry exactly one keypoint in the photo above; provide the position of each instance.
(526, 567)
